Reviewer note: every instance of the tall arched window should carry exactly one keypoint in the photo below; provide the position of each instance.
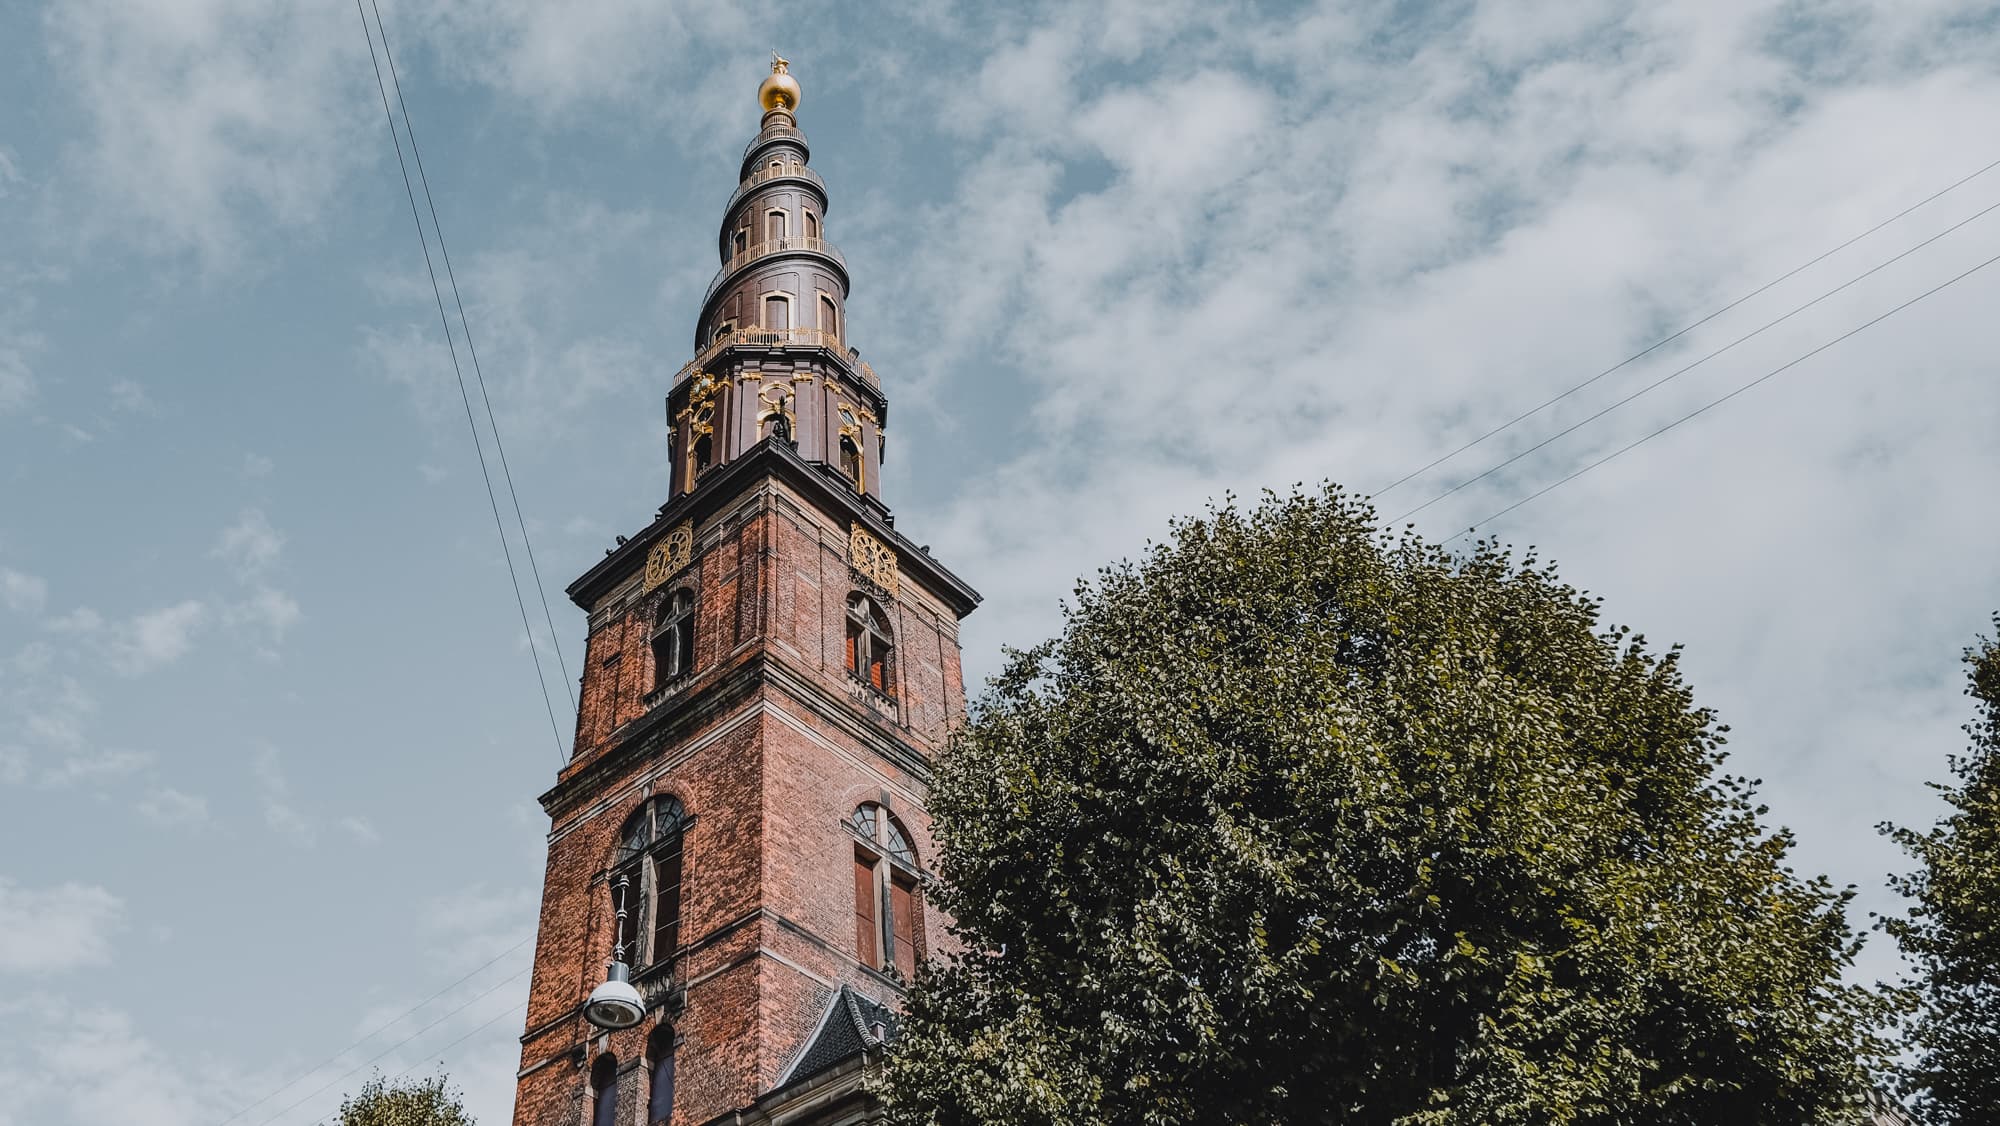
(660, 1076)
(886, 903)
(648, 867)
(604, 1091)
(812, 225)
(829, 316)
(869, 643)
(777, 312)
(673, 639)
(774, 226)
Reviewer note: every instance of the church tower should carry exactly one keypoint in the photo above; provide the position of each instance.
(770, 667)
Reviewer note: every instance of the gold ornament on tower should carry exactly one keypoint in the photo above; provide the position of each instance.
(781, 90)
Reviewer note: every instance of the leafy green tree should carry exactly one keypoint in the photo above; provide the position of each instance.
(1952, 933)
(417, 1102)
(1301, 822)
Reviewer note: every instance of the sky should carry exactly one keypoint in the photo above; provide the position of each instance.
(269, 738)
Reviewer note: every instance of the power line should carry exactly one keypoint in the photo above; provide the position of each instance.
(380, 1029)
(513, 576)
(474, 1031)
(344, 1076)
(1705, 407)
(1678, 372)
(478, 375)
(1677, 334)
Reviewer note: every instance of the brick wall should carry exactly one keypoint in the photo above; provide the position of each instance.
(769, 745)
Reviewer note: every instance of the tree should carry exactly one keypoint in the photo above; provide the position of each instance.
(1301, 822)
(417, 1102)
(1952, 933)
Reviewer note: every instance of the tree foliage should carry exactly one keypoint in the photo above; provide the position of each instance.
(1952, 933)
(416, 1102)
(1299, 822)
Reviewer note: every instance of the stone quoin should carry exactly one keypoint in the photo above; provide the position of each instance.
(770, 666)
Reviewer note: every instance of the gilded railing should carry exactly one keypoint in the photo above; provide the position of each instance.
(767, 174)
(769, 247)
(777, 338)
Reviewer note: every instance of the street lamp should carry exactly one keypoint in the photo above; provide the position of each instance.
(615, 1004)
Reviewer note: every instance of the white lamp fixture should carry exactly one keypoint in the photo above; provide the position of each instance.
(615, 1004)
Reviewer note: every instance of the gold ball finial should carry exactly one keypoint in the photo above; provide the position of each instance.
(781, 90)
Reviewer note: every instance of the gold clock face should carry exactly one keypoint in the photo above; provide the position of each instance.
(670, 555)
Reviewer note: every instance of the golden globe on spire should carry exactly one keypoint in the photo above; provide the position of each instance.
(781, 90)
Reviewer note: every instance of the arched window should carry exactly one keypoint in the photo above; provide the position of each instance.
(648, 868)
(604, 1091)
(829, 316)
(777, 312)
(868, 643)
(673, 639)
(660, 1075)
(886, 903)
(739, 242)
(722, 330)
(850, 461)
(812, 225)
(775, 226)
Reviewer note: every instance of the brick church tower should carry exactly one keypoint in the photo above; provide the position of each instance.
(770, 666)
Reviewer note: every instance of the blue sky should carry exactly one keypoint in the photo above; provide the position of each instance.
(269, 740)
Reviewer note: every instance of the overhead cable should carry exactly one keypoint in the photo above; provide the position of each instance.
(1683, 370)
(478, 375)
(1716, 402)
(1678, 333)
(513, 576)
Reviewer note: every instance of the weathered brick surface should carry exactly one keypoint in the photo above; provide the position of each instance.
(769, 745)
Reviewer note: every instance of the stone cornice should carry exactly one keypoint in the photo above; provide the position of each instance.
(820, 484)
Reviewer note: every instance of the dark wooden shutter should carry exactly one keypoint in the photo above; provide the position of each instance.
(667, 908)
(903, 924)
(866, 929)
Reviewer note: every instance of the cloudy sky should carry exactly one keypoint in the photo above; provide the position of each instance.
(269, 740)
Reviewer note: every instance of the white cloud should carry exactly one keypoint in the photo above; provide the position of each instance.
(257, 465)
(158, 637)
(55, 929)
(82, 767)
(172, 808)
(208, 122)
(274, 794)
(270, 613)
(17, 381)
(83, 621)
(130, 396)
(57, 1073)
(250, 546)
(22, 593)
(361, 830)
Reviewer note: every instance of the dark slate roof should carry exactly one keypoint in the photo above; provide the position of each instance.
(845, 1032)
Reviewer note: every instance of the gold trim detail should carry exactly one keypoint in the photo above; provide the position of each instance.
(670, 556)
(873, 559)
